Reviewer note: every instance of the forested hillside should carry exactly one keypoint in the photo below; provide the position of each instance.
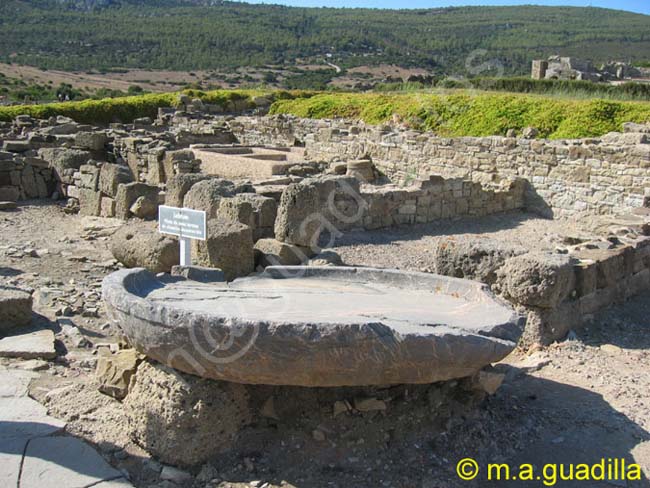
(206, 34)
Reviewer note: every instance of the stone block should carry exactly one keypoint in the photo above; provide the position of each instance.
(111, 176)
(107, 207)
(299, 219)
(229, 247)
(128, 193)
(139, 244)
(93, 141)
(206, 195)
(179, 185)
(538, 279)
(15, 308)
(89, 202)
(270, 252)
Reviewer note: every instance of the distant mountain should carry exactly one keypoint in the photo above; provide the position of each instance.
(204, 34)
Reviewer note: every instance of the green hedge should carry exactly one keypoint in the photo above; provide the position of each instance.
(125, 109)
(467, 114)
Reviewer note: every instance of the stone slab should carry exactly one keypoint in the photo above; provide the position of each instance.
(14, 383)
(64, 461)
(24, 418)
(39, 344)
(11, 454)
(315, 326)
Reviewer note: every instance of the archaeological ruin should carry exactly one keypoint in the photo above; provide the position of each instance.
(279, 301)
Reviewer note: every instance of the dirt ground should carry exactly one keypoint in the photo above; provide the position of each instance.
(577, 401)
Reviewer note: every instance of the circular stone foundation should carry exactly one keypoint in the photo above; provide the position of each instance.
(315, 326)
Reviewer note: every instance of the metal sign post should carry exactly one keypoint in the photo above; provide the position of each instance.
(185, 223)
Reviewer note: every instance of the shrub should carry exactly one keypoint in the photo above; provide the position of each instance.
(463, 114)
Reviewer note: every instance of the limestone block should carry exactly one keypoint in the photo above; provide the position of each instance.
(538, 279)
(111, 176)
(229, 247)
(128, 193)
(15, 308)
(141, 245)
(163, 417)
(299, 216)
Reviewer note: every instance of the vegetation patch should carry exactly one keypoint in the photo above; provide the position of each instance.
(463, 113)
(126, 109)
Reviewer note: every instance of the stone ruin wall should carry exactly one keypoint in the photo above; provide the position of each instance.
(601, 176)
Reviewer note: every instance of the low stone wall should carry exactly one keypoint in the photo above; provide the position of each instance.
(25, 177)
(373, 207)
(556, 291)
(599, 279)
(605, 175)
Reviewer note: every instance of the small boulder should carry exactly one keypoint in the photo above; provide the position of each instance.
(141, 245)
(128, 193)
(270, 252)
(15, 308)
(473, 259)
(144, 208)
(114, 372)
(326, 258)
(537, 279)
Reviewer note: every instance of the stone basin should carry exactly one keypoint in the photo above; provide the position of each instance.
(315, 326)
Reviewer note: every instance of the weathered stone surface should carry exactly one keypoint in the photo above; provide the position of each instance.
(62, 159)
(64, 461)
(311, 326)
(229, 247)
(270, 252)
(537, 279)
(114, 372)
(9, 193)
(110, 177)
(24, 418)
(298, 219)
(94, 141)
(144, 208)
(179, 185)
(39, 344)
(198, 273)
(473, 259)
(128, 193)
(256, 211)
(90, 202)
(15, 308)
(182, 419)
(206, 195)
(326, 258)
(141, 245)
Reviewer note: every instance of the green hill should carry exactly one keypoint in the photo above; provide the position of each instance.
(205, 34)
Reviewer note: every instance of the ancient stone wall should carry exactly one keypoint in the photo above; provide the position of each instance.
(373, 207)
(605, 175)
(24, 177)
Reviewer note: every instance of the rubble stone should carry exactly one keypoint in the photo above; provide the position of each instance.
(15, 308)
(141, 245)
(182, 419)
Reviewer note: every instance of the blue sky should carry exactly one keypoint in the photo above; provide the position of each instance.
(641, 6)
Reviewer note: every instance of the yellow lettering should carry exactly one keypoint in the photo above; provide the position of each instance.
(498, 468)
(582, 472)
(633, 472)
(550, 474)
(526, 472)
